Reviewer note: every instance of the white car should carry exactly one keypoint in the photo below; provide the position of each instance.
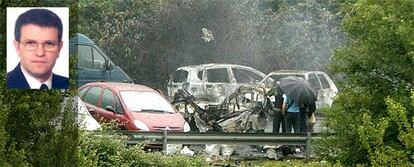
(85, 119)
(319, 80)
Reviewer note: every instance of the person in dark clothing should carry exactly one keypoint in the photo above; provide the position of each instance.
(311, 115)
(305, 114)
(278, 118)
(303, 120)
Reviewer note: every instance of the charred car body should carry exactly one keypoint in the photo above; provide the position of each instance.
(213, 83)
(245, 110)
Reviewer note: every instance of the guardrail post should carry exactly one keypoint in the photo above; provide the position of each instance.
(308, 145)
(164, 141)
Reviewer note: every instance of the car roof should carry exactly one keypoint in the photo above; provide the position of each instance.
(215, 65)
(122, 86)
(294, 72)
(219, 65)
(81, 39)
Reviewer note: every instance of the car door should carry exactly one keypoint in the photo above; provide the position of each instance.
(218, 84)
(314, 81)
(329, 90)
(109, 99)
(177, 81)
(91, 65)
(91, 99)
(245, 77)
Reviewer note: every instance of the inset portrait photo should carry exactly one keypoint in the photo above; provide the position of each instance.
(37, 48)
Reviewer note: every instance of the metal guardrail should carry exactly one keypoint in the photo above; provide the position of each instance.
(164, 138)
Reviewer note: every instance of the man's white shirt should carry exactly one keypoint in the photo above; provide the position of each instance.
(33, 82)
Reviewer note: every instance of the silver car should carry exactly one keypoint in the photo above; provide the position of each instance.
(212, 83)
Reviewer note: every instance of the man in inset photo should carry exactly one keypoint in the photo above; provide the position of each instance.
(38, 43)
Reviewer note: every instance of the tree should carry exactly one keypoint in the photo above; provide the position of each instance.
(377, 63)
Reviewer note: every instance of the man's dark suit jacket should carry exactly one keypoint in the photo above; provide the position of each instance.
(16, 80)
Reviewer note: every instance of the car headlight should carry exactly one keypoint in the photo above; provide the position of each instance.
(186, 127)
(141, 125)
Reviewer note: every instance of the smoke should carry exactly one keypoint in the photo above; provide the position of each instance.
(267, 35)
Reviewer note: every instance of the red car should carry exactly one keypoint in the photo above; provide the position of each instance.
(133, 106)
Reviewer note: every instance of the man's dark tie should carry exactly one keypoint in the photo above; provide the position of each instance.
(44, 87)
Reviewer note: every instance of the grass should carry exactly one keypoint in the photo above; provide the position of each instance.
(272, 163)
(290, 163)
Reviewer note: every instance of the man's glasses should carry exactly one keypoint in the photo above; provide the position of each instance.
(49, 46)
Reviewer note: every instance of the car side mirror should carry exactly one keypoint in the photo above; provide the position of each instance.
(109, 108)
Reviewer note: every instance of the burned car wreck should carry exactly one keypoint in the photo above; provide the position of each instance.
(245, 110)
(213, 83)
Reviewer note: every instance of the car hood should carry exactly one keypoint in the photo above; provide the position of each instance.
(159, 121)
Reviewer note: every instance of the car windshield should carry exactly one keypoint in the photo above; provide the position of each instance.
(146, 102)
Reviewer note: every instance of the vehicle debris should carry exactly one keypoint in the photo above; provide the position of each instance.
(186, 151)
(245, 110)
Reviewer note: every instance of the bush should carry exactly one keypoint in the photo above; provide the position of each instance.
(105, 150)
(362, 138)
(372, 117)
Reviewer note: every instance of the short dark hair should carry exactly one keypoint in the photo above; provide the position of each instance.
(39, 17)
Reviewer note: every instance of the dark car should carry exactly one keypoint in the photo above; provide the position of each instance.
(93, 64)
(132, 106)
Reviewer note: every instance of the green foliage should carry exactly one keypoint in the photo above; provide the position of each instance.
(373, 139)
(382, 45)
(361, 139)
(365, 127)
(98, 150)
(399, 116)
(9, 156)
(289, 162)
(104, 150)
(340, 142)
